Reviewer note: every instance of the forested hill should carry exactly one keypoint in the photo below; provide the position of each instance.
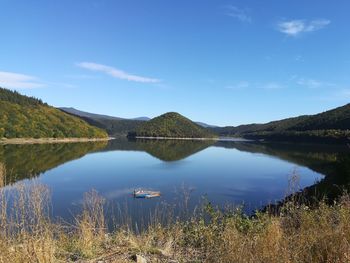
(115, 126)
(332, 126)
(27, 117)
(171, 124)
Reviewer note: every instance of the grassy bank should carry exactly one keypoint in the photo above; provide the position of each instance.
(298, 234)
(49, 140)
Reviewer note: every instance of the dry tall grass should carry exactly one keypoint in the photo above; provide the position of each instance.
(2, 174)
(298, 234)
(26, 233)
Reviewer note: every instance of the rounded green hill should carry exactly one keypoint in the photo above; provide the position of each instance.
(173, 125)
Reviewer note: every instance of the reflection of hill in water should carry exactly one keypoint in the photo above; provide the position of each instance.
(26, 161)
(330, 160)
(333, 161)
(165, 150)
(30, 160)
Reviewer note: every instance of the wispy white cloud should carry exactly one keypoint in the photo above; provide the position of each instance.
(19, 81)
(296, 27)
(299, 58)
(116, 73)
(244, 85)
(313, 84)
(317, 25)
(292, 81)
(272, 86)
(240, 85)
(310, 83)
(238, 13)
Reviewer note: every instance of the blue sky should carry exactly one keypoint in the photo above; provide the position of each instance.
(221, 62)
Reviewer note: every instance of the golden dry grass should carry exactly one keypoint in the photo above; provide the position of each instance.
(298, 234)
(2, 174)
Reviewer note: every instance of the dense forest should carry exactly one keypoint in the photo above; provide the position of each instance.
(114, 126)
(27, 117)
(329, 126)
(171, 124)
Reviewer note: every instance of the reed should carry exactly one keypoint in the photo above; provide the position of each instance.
(26, 233)
(297, 234)
(91, 225)
(2, 175)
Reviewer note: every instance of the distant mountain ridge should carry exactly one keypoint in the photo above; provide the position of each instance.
(114, 126)
(27, 117)
(80, 113)
(141, 119)
(205, 125)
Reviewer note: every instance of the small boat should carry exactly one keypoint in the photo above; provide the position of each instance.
(145, 194)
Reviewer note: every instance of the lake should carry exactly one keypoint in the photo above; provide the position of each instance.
(186, 172)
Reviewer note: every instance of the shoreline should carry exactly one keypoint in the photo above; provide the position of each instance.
(176, 138)
(50, 140)
(193, 139)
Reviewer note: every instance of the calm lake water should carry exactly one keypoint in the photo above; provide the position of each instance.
(222, 172)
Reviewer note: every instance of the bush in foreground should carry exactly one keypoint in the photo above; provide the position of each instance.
(298, 234)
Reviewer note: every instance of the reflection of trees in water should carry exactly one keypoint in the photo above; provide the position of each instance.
(333, 161)
(319, 158)
(30, 160)
(165, 150)
(330, 188)
(336, 182)
(25, 161)
(173, 150)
